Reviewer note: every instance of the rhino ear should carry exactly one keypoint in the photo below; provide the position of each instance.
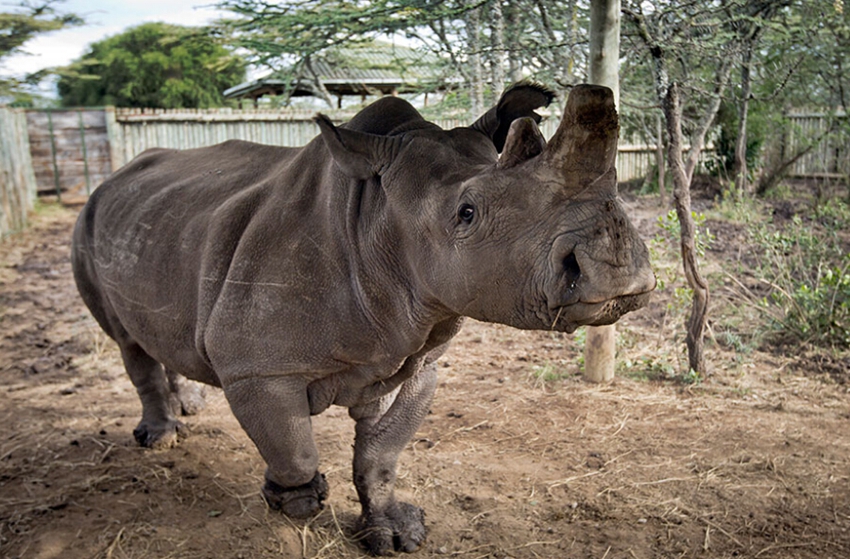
(358, 154)
(518, 101)
(524, 141)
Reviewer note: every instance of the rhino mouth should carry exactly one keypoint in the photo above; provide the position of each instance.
(569, 317)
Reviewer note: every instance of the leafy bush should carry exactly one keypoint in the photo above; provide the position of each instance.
(702, 235)
(808, 272)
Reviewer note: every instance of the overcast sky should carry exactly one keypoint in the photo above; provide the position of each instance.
(104, 18)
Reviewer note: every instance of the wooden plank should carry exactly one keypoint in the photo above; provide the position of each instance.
(17, 181)
(115, 139)
(73, 156)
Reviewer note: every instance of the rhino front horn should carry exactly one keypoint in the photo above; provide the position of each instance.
(585, 145)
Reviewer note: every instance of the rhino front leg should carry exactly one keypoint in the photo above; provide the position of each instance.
(275, 413)
(383, 430)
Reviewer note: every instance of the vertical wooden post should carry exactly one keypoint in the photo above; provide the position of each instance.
(85, 152)
(601, 343)
(53, 156)
(116, 140)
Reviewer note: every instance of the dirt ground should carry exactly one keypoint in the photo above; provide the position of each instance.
(518, 458)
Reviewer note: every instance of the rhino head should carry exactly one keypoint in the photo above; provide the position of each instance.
(533, 237)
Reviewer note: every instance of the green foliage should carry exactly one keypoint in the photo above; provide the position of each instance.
(808, 272)
(668, 41)
(548, 372)
(22, 22)
(29, 19)
(286, 37)
(651, 369)
(703, 237)
(803, 59)
(525, 38)
(152, 65)
(734, 341)
(737, 208)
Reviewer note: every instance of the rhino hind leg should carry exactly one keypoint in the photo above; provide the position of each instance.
(187, 397)
(383, 430)
(159, 427)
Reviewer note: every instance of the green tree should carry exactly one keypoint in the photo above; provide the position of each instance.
(287, 37)
(485, 42)
(153, 65)
(690, 49)
(19, 24)
(802, 64)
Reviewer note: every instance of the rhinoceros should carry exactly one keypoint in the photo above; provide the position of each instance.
(337, 273)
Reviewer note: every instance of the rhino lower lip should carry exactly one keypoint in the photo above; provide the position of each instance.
(626, 297)
(590, 313)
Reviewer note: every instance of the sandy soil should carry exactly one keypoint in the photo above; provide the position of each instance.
(518, 458)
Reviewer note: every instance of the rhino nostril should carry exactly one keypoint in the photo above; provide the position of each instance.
(571, 270)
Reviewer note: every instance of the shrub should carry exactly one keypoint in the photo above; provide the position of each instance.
(808, 272)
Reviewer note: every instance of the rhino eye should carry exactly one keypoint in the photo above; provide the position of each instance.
(466, 213)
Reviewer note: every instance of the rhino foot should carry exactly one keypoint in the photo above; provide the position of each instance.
(297, 502)
(401, 527)
(159, 435)
(192, 399)
(187, 397)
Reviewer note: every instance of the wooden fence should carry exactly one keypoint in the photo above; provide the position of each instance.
(829, 157)
(131, 131)
(70, 150)
(17, 182)
(74, 150)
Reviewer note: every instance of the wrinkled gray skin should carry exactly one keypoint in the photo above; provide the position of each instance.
(336, 273)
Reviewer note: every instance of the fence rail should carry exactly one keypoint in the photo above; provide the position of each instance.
(17, 181)
(132, 131)
(74, 150)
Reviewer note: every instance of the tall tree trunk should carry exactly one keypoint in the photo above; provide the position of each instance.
(497, 40)
(601, 344)
(473, 29)
(605, 45)
(739, 167)
(682, 198)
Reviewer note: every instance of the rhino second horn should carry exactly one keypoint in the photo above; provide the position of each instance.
(585, 144)
(524, 141)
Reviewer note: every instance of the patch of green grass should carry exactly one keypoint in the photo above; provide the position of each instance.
(734, 341)
(833, 213)
(737, 208)
(549, 372)
(47, 209)
(651, 369)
